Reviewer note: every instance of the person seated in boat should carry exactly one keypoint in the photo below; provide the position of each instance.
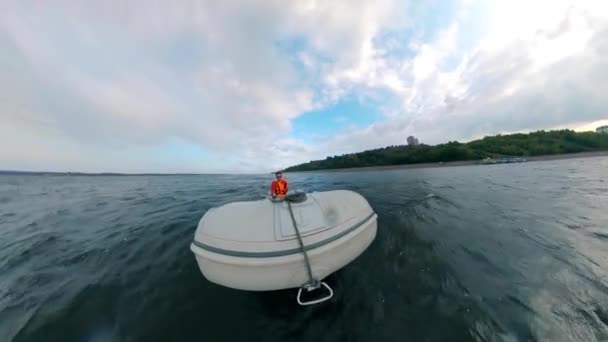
(279, 186)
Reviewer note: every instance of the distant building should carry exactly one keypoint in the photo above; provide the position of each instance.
(601, 129)
(412, 141)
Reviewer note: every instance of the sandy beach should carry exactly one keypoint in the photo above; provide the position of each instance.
(462, 163)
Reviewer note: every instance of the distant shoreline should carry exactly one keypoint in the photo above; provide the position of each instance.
(461, 163)
(102, 174)
(366, 168)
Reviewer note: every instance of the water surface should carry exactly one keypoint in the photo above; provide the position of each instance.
(514, 252)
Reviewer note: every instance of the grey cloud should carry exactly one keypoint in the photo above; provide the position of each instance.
(563, 27)
(240, 85)
(95, 74)
(568, 92)
(95, 77)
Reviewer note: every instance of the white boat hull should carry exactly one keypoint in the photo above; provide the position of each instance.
(279, 264)
(276, 273)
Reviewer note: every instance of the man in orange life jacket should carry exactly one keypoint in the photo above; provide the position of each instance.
(279, 186)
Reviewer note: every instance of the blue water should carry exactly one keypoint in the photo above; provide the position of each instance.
(514, 252)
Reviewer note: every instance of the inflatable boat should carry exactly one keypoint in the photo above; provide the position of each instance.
(271, 245)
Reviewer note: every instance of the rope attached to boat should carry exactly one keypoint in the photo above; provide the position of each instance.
(313, 284)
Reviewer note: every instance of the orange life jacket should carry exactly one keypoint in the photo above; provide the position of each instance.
(279, 188)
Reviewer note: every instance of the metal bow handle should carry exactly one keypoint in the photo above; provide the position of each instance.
(310, 288)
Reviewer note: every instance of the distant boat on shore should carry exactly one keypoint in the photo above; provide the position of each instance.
(504, 160)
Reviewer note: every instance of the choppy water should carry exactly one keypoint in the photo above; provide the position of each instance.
(504, 252)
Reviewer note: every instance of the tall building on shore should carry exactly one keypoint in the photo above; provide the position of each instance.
(602, 130)
(412, 141)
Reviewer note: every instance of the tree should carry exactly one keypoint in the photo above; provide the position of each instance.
(536, 143)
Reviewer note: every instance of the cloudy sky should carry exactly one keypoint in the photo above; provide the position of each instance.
(254, 86)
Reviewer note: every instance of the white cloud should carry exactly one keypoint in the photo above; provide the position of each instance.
(539, 66)
(120, 80)
(104, 78)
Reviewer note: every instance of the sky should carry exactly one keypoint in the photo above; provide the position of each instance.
(255, 86)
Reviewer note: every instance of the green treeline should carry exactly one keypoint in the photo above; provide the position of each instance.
(532, 144)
